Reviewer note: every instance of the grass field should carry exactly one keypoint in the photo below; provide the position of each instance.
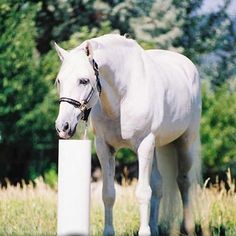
(31, 210)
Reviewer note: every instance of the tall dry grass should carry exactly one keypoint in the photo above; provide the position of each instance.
(28, 209)
(215, 207)
(31, 210)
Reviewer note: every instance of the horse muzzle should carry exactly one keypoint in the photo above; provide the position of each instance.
(65, 131)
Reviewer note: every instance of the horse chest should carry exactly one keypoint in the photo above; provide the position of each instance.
(109, 130)
(113, 135)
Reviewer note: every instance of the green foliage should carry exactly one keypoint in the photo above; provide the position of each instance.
(126, 156)
(29, 65)
(160, 26)
(18, 68)
(203, 32)
(208, 39)
(60, 19)
(50, 176)
(218, 129)
(25, 112)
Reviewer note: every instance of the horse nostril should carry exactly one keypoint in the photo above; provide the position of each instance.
(58, 131)
(65, 126)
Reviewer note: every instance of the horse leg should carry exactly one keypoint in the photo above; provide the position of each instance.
(185, 161)
(106, 157)
(156, 186)
(143, 190)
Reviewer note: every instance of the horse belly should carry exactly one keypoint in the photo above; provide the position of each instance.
(113, 138)
(171, 132)
(110, 131)
(178, 112)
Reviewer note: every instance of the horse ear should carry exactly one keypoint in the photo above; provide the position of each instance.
(60, 51)
(89, 50)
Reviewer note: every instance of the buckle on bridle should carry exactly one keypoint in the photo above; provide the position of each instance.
(83, 106)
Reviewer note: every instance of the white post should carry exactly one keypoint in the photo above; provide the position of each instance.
(74, 171)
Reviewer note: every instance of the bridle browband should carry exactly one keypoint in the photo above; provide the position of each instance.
(83, 104)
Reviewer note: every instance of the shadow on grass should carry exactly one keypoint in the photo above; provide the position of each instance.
(214, 231)
(221, 231)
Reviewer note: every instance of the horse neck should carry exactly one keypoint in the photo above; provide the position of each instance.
(118, 68)
(113, 89)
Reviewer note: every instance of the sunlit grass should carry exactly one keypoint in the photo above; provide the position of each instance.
(217, 208)
(126, 219)
(31, 210)
(28, 210)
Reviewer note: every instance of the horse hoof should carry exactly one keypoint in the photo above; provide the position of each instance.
(109, 231)
(144, 231)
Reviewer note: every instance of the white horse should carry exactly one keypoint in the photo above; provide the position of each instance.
(150, 102)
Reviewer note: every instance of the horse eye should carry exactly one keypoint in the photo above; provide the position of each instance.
(83, 81)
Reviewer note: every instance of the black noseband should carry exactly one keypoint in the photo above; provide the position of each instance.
(73, 102)
(77, 104)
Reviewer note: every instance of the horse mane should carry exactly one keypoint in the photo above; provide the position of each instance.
(110, 40)
(115, 40)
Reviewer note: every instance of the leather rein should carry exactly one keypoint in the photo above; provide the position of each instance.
(83, 104)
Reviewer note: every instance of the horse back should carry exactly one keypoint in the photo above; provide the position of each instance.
(181, 101)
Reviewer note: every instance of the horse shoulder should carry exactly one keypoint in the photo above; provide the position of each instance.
(138, 107)
(107, 128)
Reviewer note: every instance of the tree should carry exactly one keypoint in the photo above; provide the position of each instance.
(28, 100)
(208, 39)
(218, 129)
(21, 89)
(160, 26)
(58, 20)
(27, 95)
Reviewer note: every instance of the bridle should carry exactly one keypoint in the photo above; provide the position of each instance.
(83, 104)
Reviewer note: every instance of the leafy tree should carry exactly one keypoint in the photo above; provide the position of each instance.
(202, 32)
(28, 100)
(160, 26)
(208, 39)
(58, 20)
(22, 125)
(218, 128)
(18, 66)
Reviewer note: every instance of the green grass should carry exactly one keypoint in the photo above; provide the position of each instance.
(31, 210)
(28, 211)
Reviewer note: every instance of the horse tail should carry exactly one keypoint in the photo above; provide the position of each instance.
(196, 170)
(171, 204)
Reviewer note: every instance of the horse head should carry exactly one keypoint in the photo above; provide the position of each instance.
(78, 87)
